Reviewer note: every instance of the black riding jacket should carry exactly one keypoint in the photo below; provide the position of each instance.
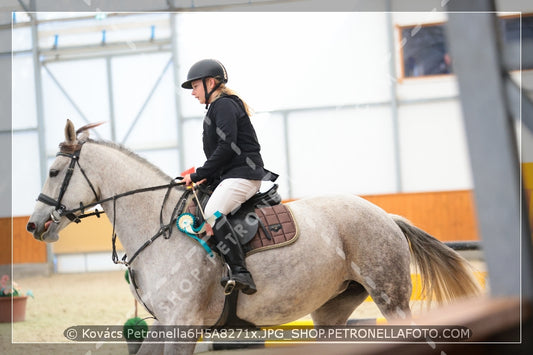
(230, 145)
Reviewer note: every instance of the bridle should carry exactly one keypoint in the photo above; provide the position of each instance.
(60, 209)
(73, 215)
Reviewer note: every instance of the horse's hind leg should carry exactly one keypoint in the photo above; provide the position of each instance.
(337, 310)
(393, 299)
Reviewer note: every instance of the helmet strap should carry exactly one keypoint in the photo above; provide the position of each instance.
(208, 94)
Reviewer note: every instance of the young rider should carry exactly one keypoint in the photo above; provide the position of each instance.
(234, 166)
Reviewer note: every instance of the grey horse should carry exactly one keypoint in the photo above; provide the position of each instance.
(347, 249)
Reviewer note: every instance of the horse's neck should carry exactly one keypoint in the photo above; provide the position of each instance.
(137, 215)
(121, 171)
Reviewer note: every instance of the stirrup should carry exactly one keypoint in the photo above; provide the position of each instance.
(230, 286)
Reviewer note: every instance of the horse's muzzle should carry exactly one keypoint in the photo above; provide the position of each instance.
(31, 227)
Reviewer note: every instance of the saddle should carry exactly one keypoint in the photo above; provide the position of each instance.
(261, 223)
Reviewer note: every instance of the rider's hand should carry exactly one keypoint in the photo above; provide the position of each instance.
(189, 182)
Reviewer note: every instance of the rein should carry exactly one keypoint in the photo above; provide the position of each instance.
(61, 210)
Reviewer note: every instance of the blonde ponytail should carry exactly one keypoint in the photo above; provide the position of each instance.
(227, 91)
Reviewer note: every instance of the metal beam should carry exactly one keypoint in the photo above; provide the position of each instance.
(39, 108)
(473, 40)
(177, 91)
(394, 102)
(98, 51)
(38, 95)
(520, 105)
(286, 140)
(111, 97)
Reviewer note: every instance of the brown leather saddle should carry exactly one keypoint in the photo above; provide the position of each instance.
(261, 223)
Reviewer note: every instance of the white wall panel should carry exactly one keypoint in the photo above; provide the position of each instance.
(194, 154)
(270, 132)
(85, 84)
(26, 177)
(133, 79)
(347, 151)
(85, 262)
(164, 159)
(427, 88)
(433, 148)
(23, 91)
(282, 60)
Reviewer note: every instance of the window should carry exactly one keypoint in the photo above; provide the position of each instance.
(510, 29)
(425, 53)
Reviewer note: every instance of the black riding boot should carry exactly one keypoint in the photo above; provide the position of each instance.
(231, 249)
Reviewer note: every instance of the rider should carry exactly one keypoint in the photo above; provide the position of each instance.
(234, 166)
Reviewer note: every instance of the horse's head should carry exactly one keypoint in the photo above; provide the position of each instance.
(65, 190)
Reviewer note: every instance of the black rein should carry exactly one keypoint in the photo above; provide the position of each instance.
(60, 209)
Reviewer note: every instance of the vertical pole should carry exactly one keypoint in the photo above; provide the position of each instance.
(111, 97)
(286, 143)
(177, 90)
(38, 93)
(40, 113)
(498, 191)
(394, 102)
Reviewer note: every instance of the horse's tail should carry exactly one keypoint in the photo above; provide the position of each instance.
(445, 275)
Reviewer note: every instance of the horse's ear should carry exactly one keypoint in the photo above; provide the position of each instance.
(83, 132)
(70, 132)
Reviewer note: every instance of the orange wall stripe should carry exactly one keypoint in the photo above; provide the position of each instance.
(447, 215)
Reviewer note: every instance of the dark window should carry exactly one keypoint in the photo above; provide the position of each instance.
(424, 49)
(510, 29)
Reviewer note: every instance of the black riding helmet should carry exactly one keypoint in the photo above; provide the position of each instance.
(206, 68)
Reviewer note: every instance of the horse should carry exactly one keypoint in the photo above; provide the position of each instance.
(347, 249)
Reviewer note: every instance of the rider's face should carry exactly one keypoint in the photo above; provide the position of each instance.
(198, 90)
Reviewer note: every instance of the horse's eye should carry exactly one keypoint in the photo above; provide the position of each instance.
(54, 172)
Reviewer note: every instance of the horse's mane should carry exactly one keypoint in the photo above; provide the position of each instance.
(130, 154)
(75, 144)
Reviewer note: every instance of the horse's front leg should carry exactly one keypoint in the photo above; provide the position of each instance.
(179, 349)
(165, 346)
(149, 347)
(184, 315)
(152, 348)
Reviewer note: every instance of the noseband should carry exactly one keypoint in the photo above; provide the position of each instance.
(60, 209)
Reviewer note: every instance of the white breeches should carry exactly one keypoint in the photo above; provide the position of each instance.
(230, 194)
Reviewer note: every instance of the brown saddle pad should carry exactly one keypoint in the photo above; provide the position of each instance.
(280, 223)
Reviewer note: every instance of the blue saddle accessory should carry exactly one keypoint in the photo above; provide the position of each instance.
(186, 223)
